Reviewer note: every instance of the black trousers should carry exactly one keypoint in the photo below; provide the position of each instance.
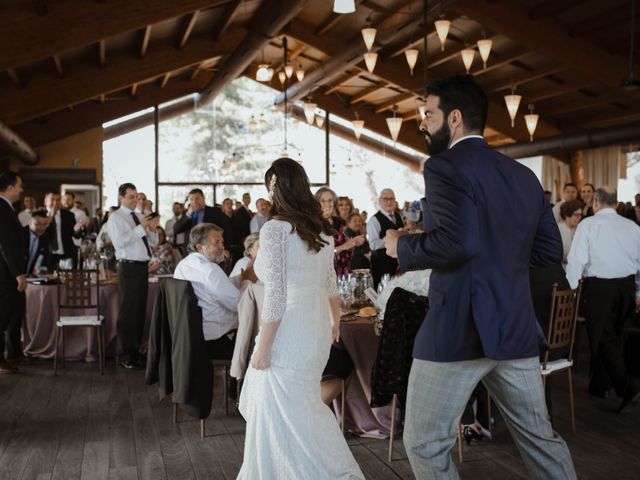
(607, 302)
(221, 348)
(133, 284)
(382, 263)
(11, 314)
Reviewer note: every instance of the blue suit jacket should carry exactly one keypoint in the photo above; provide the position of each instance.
(486, 223)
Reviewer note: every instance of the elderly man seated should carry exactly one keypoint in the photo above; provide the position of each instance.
(218, 296)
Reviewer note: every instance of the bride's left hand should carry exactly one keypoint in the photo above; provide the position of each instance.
(261, 360)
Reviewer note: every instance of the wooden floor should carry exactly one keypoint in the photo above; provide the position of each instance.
(81, 425)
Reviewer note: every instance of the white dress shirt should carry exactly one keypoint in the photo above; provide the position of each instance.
(25, 217)
(57, 218)
(374, 229)
(256, 222)
(606, 245)
(567, 237)
(126, 236)
(556, 211)
(80, 214)
(240, 265)
(218, 297)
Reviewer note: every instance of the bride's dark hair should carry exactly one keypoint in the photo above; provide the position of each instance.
(293, 202)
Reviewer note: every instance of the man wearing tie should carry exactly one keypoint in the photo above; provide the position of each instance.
(481, 325)
(387, 218)
(132, 235)
(36, 242)
(63, 229)
(13, 281)
(198, 212)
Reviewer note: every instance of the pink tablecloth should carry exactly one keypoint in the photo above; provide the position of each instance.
(361, 342)
(39, 330)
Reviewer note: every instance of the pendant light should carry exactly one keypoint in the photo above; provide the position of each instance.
(412, 57)
(319, 121)
(513, 102)
(394, 123)
(369, 36)
(263, 74)
(310, 111)
(262, 123)
(282, 76)
(442, 29)
(467, 58)
(358, 125)
(253, 125)
(300, 73)
(344, 6)
(370, 59)
(233, 163)
(484, 47)
(531, 119)
(288, 70)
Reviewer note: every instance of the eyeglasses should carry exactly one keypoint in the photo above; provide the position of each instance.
(388, 199)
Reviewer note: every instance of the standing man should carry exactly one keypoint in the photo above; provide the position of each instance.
(199, 212)
(242, 219)
(36, 241)
(13, 281)
(177, 240)
(259, 219)
(29, 206)
(606, 252)
(63, 229)
(481, 324)
(387, 218)
(569, 193)
(132, 235)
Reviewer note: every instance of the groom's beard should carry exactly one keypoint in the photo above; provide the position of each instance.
(439, 141)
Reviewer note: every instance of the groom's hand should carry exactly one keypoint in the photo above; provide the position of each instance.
(391, 241)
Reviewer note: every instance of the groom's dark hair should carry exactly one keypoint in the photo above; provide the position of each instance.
(461, 92)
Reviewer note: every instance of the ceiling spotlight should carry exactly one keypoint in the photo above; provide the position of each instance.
(344, 6)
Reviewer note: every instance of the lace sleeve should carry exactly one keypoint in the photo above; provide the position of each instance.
(274, 245)
(332, 281)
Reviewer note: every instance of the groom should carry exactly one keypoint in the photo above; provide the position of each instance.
(485, 223)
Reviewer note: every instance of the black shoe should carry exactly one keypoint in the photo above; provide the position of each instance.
(469, 433)
(129, 365)
(629, 395)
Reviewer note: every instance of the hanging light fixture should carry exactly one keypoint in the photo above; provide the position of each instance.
(282, 76)
(412, 57)
(394, 123)
(262, 122)
(262, 74)
(442, 29)
(358, 125)
(233, 163)
(300, 73)
(467, 58)
(484, 47)
(513, 102)
(319, 121)
(288, 70)
(422, 110)
(344, 6)
(531, 119)
(369, 36)
(370, 59)
(253, 125)
(310, 111)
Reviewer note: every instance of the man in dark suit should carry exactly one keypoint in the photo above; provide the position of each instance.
(63, 228)
(487, 220)
(198, 212)
(12, 264)
(36, 241)
(242, 219)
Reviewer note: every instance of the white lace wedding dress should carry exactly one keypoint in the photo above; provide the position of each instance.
(290, 433)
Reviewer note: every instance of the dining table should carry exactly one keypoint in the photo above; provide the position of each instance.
(41, 314)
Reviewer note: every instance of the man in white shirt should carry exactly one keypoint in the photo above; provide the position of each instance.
(218, 296)
(569, 192)
(177, 240)
(606, 253)
(29, 206)
(387, 218)
(262, 207)
(132, 235)
(63, 230)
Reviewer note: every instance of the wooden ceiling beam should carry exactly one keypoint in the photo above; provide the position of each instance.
(12, 143)
(554, 92)
(332, 20)
(144, 44)
(165, 80)
(548, 39)
(563, 109)
(134, 89)
(75, 23)
(58, 64)
(387, 104)
(367, 92)
(45, 95)
(93, 114)
(550, 8)
(187, 28)
(613, 17)
(335, 86)
(102, 53)
(494, 62)
(15, 79)
(225, 19)
(524, 78)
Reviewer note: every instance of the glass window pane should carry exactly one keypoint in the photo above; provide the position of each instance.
(235, 192)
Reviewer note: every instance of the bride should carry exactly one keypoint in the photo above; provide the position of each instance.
(290, 433)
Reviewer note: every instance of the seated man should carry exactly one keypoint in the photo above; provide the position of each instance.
(218, 296)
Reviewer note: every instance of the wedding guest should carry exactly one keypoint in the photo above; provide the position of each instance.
(63, 230)
(586, 195)
(262, 207)
(633, 212)
(176, 239)
(548, 196)
(361, 257)
(162, 261)
(69, 202)
(141, 202)
(251, 245)
(569, 192)
(133, 235)
(29, 204)
(364, 216)
(218, 295)
(570, 214)
(36, 242)
(104, 245)
(199, 212)
(387, 218)
(345, 208)
(606, 253)
(232, 236)
(242, 218)
(13, 281)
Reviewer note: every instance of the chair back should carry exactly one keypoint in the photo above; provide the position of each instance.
(78, 289)
(563, 319)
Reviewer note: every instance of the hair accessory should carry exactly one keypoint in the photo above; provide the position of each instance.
(272, 185)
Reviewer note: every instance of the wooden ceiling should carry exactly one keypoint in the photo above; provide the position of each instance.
(70, 65)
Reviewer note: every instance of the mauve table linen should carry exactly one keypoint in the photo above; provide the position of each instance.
(39, 326)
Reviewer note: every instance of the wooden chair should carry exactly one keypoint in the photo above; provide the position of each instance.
(562, 332)
(460, 429)
(75, 293)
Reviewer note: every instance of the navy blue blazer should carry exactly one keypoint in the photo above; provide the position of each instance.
(486, 224)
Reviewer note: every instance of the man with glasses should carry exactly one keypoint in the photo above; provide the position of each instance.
(387, 218)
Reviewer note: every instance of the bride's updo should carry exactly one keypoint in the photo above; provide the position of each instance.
(293, 202)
